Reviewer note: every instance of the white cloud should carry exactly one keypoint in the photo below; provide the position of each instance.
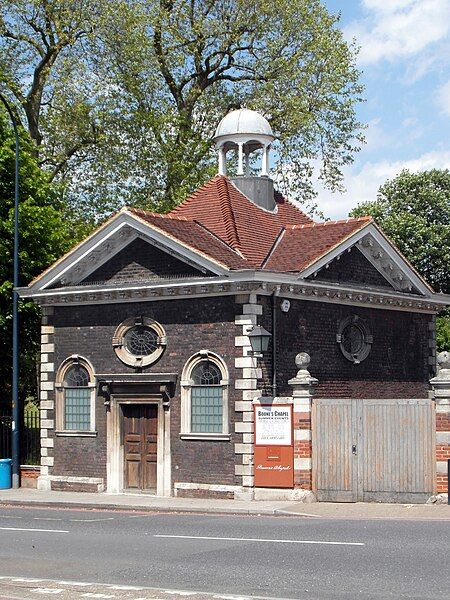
(443, 98)
(387, 5)
(363, 184)
(376, 136)
(409, 122)
(399, 28)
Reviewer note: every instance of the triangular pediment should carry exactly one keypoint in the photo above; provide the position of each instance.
(124, 250)
(367, 258)
(141, 261)
(354, 269)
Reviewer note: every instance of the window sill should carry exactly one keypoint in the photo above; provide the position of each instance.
(76, 433)
(211, 437)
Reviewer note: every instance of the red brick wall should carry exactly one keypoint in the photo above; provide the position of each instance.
(442, 421)
(442, 484)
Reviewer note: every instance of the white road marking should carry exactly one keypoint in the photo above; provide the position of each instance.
(46, 519)
(78, 583)
(31, 529)
(9, 517)
(231, 539)
(126, 587)
(47, 591)
(94, 595)
(111, 586)
(91, 520)
(225, 597)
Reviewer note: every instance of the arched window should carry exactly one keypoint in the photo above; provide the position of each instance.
(75, 387)
(204, 398)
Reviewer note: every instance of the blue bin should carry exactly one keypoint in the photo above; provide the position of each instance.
(5, 473)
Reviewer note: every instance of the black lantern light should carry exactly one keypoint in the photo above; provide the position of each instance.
(259, 339)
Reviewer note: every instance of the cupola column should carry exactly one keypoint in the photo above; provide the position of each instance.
(240, 170)
(265, 162)
(222, 161)
(247, 162)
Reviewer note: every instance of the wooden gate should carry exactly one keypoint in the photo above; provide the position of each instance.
(373, 450)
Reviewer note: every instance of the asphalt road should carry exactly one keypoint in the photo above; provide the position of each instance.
(292, 557)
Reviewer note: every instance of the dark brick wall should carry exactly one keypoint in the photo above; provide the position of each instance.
(352, 267)
(140, 260)
(190, 325)
(397, 366)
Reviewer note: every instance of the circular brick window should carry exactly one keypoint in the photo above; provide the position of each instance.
(139, 342)
(354, 339)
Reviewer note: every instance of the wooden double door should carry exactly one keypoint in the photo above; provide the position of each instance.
(373, 450)
(140, 440)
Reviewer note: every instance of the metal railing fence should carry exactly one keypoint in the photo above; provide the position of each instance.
(29, 439)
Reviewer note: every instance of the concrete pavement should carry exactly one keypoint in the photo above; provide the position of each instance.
(148, 503)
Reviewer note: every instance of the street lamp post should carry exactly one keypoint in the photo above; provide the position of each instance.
(15, 360)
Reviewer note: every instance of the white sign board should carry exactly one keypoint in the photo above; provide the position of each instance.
(273, 425)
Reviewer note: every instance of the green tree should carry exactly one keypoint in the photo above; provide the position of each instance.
(36, 39)
(46, 231)
(413, 209)
(122, 97)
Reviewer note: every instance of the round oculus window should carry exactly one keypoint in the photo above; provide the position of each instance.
(139, 342)
(354, 339)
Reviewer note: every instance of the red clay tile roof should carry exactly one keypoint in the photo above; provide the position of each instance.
(302, 245)
(224, 210)
(195, 236)
(223, 224)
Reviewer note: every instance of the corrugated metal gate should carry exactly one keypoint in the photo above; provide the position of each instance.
(373, 450)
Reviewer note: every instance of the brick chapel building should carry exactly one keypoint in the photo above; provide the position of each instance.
(148, 377)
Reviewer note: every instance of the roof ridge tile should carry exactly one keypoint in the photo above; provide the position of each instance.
(328, 223)
(150, 213)
(228, 213)
(219, 239)
(203, 188)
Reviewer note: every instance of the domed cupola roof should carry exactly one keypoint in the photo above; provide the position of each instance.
(244, 122)
(243, 132)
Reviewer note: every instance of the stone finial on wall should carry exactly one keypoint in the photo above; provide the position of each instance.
(441, 383)
(443, 360)
(302, 381)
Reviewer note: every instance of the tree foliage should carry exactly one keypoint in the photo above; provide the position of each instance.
(413, 209)
(121, 98)
(46, 231)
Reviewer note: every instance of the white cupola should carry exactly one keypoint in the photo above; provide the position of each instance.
(244, 131)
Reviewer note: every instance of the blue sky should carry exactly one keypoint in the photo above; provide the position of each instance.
(405, 59)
